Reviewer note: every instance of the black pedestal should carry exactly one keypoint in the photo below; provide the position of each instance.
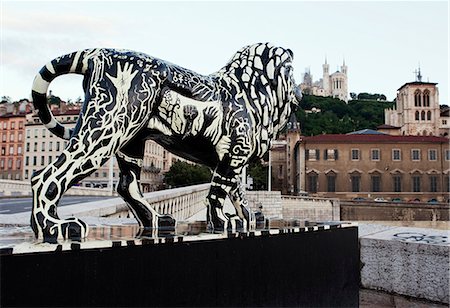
(290, 267)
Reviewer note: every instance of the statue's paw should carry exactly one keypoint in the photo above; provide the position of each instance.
(71, 228)
(216, 226)
(166, 223)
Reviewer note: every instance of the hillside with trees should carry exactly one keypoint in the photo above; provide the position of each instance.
(336, 117)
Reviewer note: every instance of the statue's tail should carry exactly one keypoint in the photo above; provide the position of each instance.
(72, 63)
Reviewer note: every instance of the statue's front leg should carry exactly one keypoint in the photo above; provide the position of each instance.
(220, 187)
(243, 210)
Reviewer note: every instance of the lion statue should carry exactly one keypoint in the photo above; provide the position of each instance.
(222, 120)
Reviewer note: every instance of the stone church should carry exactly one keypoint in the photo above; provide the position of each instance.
(334, 85)
(417, 111)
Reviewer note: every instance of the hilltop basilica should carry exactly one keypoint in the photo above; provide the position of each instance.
(334, 85)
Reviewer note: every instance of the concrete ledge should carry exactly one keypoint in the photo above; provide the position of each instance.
(407, 261)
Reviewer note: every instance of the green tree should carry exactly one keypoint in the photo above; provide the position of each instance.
(184, 174)
(258, 172)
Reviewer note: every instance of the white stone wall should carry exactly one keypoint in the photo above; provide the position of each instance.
(270, 201)
(407, 261)
(313, 209)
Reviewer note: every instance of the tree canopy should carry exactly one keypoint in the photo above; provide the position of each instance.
(337, 117)
(185, 174)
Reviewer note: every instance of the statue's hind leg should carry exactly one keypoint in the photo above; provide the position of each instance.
(130, 162)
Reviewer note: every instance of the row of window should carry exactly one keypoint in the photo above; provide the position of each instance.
(421, 116)
(11, 150)
(375, 183)
(12, 137)
(420, 98)
(375, 154)
(43, 146)
(8, 164)
(12, 125)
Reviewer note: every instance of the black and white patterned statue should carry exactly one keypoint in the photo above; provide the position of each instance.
(222, 121)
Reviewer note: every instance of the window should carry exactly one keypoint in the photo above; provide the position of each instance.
(44, 130)
(312, 154)
(57, 145)
(331, 182)
(2, 163)
(96, 174)
(42, 160)
(416, 183)
(19, 150)
(312, 182)
(355, 154)
(447, 154)
(433, 183)
(50, 159)
(417, 98)
(35, 147)
(355, 181)
(429, 115)
(20, 137)
(28, 133)
(444, 122)
(13, 125)
(376, 182)
(20, 124)
(415, 154)
(35, 133)
(432, 154)
(34, 160)
(375, 154)
(397, 181)
(50, 146)
(11, 150)
(18, 163)
(11, 136)
(447, 183)
(10, 162)
(43, 146)
(426, 98)
(26, 174)
(330, 154)
(104, 174)
(396, 154)
(4, 137)
(27, 161)
(423, 115)
(417, 116)
(27, 147)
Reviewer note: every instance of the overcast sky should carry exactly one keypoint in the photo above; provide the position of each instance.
(382, 42)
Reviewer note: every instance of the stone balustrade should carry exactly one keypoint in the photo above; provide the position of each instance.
(308, 208)
(181, 202)
(23, 188)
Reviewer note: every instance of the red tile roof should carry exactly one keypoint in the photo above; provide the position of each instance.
(337, 138)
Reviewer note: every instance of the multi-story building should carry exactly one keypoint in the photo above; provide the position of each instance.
(334, 85)
(11, 145)
(366, 164)
(42, 147)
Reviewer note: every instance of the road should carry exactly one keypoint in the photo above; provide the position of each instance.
(18, 205)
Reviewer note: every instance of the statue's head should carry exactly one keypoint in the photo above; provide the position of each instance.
(265, 66)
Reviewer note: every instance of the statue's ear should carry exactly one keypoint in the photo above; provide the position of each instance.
(291, 53)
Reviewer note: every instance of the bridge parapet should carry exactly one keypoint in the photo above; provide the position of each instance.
(23, 188)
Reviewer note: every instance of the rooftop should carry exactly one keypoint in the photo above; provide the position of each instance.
(369, 138)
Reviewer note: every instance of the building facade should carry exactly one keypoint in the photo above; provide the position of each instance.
(334, 84)
(41, 148)
(11, 146)
(375, 165)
